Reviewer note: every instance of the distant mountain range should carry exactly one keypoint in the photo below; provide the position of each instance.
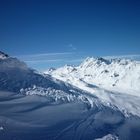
(122, 75)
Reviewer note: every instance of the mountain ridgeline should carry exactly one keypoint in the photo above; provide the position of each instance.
(15, 74)
(113, 74)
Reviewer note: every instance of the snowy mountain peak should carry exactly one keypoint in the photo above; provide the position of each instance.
(89, 61)
(3, 55)
(111, 74)
(51, 70)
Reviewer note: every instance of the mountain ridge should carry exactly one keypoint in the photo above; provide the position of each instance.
(109, 74)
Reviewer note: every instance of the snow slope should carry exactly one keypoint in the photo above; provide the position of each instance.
(15, 75)
(39, 117)
(115, 82)
(35, 106)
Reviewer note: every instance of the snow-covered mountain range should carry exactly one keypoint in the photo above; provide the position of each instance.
(70, 103)
(114, 81)
(116, 74)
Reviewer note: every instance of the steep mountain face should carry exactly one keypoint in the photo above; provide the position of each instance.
(36, 106)
(15, 75)
(117, 74)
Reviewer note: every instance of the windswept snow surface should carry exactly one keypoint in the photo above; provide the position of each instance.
(34, 106)
(108, 137)
(40, 117)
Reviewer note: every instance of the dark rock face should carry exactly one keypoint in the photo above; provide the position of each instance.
(4, 54)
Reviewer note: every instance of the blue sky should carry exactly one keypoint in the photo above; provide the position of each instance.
(51, 33)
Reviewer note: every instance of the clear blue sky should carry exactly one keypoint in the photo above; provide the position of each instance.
(50, 33)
